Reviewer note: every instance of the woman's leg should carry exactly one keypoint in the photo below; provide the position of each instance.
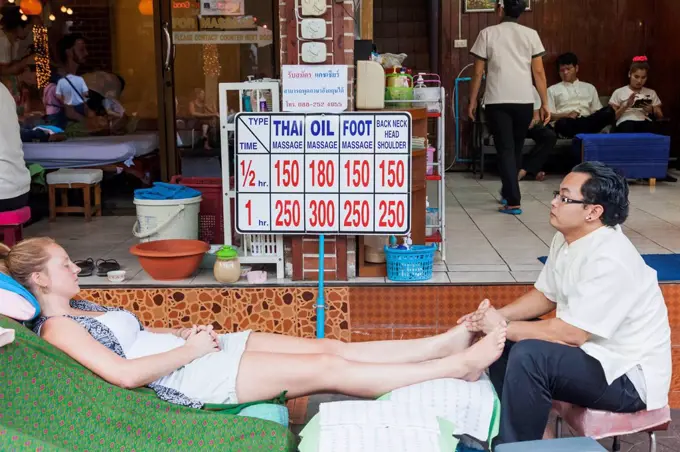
(263, 376)
(408, 351)
(635, 127)
(501, 125)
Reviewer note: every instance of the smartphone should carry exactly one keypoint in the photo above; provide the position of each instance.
(643, 102)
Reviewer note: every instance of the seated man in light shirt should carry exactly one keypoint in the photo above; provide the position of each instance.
(609, 346)
(575, 105)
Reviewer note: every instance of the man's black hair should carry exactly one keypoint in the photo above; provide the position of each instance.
(607, 188)
(513, 8)
(11, 18)
(67, 43)
(567, 59)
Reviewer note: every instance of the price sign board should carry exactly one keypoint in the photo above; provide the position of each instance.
(347, 174)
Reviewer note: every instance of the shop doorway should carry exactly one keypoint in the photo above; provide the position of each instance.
(200, 45)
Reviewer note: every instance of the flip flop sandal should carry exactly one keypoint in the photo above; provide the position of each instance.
(106, 265)
(86, 266)
(510, 211)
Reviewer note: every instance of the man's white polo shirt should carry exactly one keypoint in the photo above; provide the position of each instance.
(579, 96)
(602, 285)
(508, 49)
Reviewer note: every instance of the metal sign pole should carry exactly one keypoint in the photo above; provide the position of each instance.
(320, 299)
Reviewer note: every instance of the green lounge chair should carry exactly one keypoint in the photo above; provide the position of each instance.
(50, 402)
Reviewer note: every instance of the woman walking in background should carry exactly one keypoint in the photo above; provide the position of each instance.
(511, 53)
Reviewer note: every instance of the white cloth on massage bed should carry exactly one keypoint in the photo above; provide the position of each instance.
(91, 151)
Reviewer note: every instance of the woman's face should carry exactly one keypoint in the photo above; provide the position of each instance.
(638, 78)
(60, 275)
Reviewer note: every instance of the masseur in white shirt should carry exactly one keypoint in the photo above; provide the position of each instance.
(609, 346)
(575, 105)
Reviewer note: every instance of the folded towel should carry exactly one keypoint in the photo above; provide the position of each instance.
(8, 283)
(163, 191)
(6, 336)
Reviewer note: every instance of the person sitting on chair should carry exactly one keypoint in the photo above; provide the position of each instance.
(638, 108)
(609, 347)
(545, 139)
(207, 116)
(575, 106)
(195, 366)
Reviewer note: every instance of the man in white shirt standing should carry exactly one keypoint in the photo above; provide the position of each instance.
(13, 31)
(575, 105)
(609, 346)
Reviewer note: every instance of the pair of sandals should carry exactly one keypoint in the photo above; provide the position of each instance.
(103, 266)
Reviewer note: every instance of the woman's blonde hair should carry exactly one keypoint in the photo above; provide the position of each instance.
(25, 258)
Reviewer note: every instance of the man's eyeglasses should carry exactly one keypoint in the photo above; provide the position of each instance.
(564, 200)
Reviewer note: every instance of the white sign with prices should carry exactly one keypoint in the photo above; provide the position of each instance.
(222, 7)
(318, 88)
(341, 174)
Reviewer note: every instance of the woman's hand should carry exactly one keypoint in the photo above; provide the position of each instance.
(648, 109)
(201, 343)
(472, 109)
(545, 114)
(631, 101)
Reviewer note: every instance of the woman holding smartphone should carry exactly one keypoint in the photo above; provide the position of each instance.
(637, 107)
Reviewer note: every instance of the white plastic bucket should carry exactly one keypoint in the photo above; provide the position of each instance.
(167, 219)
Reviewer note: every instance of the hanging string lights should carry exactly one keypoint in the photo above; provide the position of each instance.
(42, 55)
(211, 60)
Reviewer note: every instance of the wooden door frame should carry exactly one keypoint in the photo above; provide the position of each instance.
(167, 143)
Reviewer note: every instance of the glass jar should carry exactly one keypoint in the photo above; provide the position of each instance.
(227, 266)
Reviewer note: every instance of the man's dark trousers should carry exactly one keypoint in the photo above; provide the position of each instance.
(531, 374)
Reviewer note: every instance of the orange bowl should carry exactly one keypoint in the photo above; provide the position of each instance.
(169, 260)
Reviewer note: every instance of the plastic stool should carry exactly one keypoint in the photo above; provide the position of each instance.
(554, 445)
(603, 424)
(12, 225)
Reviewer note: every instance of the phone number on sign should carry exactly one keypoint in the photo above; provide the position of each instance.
(315, 104)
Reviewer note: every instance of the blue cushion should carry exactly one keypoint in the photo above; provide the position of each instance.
(268, 412)
(554, 445)
(8, 283)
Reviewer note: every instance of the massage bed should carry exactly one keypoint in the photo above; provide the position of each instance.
(133, 154)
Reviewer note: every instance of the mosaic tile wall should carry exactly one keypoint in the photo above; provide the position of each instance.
(353, 314)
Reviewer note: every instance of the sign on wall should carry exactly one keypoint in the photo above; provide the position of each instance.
(222, 7)
(344, 173)
(262, 37)
(317, 88)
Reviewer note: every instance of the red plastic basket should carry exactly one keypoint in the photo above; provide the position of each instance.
(211, 215)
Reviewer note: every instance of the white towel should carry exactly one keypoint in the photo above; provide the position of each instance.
(6, 336)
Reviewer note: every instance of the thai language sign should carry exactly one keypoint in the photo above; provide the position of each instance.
(314, 88)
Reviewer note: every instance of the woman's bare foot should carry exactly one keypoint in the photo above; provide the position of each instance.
(456, 340)
(476, 359)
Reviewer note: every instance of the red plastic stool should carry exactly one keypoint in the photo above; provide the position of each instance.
(11, 225)
(602, 424)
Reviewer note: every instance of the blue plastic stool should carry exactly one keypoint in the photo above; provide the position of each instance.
(554, 445)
